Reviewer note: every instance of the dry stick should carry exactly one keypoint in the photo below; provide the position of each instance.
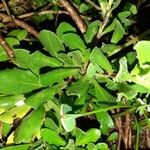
(21, 24)
(127, 129)
(93, 4)
(74, 14)
(6, 47)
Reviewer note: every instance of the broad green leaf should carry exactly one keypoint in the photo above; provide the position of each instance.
(67, 120)
(74, 41)
(83, 8)
(56, 76)
(17, 147)
(18, 33)
(5, 129)
(113, 136)
(38, 60)
(79, 88)
(141, 76)
(106, 122)
(77, 57)
(16, 112)
(97, 57)
(123, 74)
(66, 60)
(22, 57)
(118, 33)
(44, 95)
(91, 70)
(91, 146)
(133, 9)
(110, 28)
(52, 137)
(102, 146)
(64, 28)
(123, 15)
(49, 123)
(17, 81)
(29, 126)
(51, 42)
(10, 101)
(109, 48)
(92, 31)
(143, 51)
(91, 135)
(139, 88)
(102, 95)
(12, 42)
(131, 58)
(127, 91)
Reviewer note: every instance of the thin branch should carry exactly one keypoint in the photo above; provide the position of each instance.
(74, 14)
(93, 4)
(101, 28)
(6, 47)
(20, 23)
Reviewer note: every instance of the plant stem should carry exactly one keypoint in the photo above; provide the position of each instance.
(99, 110)
(132, 41)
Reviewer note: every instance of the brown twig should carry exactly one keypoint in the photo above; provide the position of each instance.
(74, 14)
(21, 24)
(93, 4)
(6, 47)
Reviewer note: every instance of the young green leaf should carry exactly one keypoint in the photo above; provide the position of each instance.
(67, 120)
(56, 76)
(118, 33)
(29, 126)
(64, 28)
(97, 57)
(104, 6)
(74, 41)
(143, 51)
(106, 122)
(52, 137)
(51, 42)
(17, 81)
(102, 146)
(123, 74)
(102, 95)
(92, 31)
(91, 135)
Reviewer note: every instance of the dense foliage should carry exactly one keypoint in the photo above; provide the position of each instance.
(81, 82)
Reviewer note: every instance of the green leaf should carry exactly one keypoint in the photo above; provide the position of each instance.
(97, 57)
(91, 135)
(16, 81)
(92, 31)
(49, 123)
(52, 137)
(5, 129)
(123, 74)
(106, 122)
(74, 41)
(91, 146)
(18, 33)
(17, 147)
(113, 136)
(109, 48)
(118, 33)
(38, 60)
(127, 91)
(51, 42)
(10, 101)
(64, 28)
(44, 95)
(67, 120)
(83, 8)
(16, 112)
(102, 95)
(143, 51)
(102, 146)
(12, 42)
(29, 126)
(56, 76)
